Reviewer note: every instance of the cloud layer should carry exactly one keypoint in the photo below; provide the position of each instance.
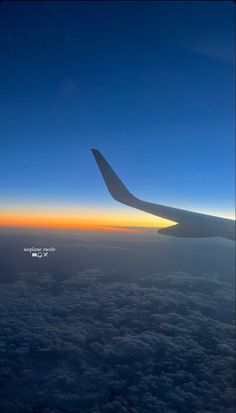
(88, 343)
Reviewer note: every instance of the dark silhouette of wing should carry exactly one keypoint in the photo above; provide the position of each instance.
(187, 223)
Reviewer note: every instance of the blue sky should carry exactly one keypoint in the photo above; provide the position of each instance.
(150, 84)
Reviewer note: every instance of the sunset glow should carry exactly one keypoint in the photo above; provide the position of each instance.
(80, 218)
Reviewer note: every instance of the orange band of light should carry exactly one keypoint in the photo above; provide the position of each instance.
(86, 220)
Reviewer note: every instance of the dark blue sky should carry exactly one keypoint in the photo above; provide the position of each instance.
(150, 84)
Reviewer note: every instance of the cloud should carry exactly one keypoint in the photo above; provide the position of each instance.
(163, 343)
(214, 48)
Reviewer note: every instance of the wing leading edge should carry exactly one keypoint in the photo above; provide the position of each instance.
(187, 223)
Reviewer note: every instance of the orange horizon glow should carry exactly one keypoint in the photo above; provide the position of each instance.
(81, 227)
(81, 219)
(50, 223)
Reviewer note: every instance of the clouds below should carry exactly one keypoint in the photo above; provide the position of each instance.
(88, 343)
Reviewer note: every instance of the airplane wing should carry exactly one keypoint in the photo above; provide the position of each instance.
(187, 223)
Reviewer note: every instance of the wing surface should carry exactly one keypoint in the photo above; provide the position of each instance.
(190, 224)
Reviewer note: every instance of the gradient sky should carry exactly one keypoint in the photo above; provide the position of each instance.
(150, 84)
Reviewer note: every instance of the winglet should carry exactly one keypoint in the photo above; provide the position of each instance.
(114, 185)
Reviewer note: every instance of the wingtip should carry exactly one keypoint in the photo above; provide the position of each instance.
(114, 185)
(97, 154)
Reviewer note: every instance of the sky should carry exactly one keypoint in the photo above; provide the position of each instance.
(150, 84)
